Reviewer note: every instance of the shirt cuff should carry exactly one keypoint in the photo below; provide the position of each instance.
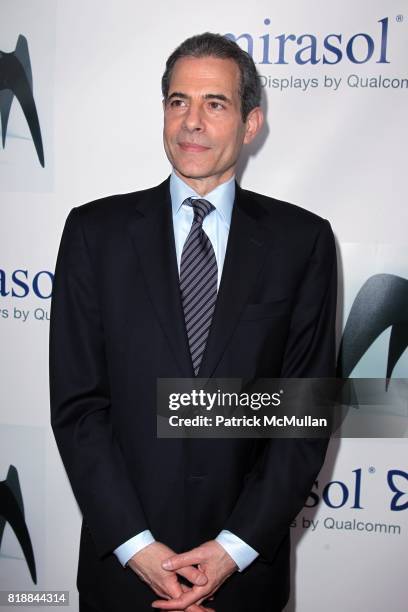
(125, 551)
(238, 550)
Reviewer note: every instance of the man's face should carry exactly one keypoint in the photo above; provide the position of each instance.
(203, 127)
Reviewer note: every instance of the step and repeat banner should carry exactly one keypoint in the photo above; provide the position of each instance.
(81, 117)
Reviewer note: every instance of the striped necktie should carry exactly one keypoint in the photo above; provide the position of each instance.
(198, 281)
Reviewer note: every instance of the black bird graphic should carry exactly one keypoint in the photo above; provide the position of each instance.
(16, 80)
(12, 512)
(381, 302)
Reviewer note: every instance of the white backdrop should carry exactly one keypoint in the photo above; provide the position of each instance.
(339, 151)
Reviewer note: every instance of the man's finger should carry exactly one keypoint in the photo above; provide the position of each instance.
(198, 608)
(173, 590)
(194, 575)
(187, 599)
(175, 562)
(209, 597)
(195, 607)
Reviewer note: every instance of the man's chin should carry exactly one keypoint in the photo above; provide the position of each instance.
(192, 173)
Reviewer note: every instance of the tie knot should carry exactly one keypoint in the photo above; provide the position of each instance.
(201, 208)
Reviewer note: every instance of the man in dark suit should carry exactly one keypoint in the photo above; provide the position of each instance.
(194, 277)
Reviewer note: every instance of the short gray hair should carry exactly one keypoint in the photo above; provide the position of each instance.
(215, 45)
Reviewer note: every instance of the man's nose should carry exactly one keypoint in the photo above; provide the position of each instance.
(193, 119)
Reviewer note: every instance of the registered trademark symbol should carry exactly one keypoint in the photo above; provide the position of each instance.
(281, 391)
(371, 469)
(399, 18)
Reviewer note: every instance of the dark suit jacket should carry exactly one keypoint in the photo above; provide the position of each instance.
(117, 325)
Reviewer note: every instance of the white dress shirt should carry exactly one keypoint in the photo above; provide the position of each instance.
(216, 225)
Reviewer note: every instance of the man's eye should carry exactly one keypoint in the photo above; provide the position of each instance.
(216, 105)
(177, 103)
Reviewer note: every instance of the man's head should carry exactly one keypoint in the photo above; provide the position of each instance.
(211, 99)
(215, 45)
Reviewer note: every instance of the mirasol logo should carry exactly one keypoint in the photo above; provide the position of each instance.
(338, 494)
(20, 283)
(333, 48)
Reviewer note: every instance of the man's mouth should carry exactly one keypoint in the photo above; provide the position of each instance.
(191, 147)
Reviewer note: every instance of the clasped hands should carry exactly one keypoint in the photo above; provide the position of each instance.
(159, 567)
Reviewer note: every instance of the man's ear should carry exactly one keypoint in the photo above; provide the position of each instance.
(253, 124)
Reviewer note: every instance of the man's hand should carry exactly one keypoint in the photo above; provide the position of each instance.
(213, 560)
(147, 564)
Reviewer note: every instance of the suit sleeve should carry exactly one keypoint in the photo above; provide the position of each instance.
(80, 399)
(278, 485)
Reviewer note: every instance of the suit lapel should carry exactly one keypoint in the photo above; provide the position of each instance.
(152, 235)
(151, 230)
(245, 254)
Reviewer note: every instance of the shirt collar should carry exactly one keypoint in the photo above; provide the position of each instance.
(222, 197)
